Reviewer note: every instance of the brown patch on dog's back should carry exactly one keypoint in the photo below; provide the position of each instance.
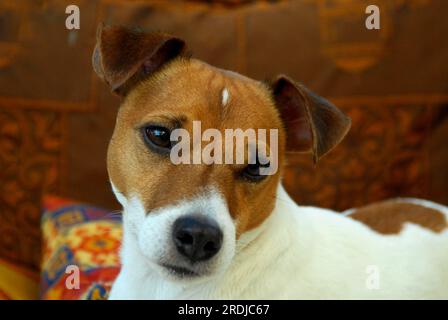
(388, 217)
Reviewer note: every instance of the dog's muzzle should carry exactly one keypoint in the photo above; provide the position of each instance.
(197, 238)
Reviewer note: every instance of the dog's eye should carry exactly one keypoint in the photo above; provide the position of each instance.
(252, 172)
(157, 137)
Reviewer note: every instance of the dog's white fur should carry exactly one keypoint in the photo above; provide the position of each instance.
(225, 97)
(297, 253)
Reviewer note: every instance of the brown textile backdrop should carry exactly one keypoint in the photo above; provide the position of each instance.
(56, 117)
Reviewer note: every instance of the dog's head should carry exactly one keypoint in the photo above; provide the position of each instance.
(188, 218)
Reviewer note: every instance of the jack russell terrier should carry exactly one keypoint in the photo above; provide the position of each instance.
(223, 231)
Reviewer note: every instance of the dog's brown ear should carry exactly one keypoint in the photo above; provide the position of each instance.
(313, 124)
(123, 56)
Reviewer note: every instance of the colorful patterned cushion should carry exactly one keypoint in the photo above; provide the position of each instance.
(83, 236)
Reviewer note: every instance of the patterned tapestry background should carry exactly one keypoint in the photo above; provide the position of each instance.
(56, 118)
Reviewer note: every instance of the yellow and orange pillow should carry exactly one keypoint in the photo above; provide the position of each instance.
(18, 282)
(82, 236)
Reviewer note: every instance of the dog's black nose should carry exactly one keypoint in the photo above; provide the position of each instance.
(197, 238)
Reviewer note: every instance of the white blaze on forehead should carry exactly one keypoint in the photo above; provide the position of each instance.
(225, 96)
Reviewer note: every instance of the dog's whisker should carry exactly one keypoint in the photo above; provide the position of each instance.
(113, 214)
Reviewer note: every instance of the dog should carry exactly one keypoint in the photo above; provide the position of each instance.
(223, 231)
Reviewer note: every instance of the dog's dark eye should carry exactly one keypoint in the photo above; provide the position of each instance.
(252, 172)
(157, 137)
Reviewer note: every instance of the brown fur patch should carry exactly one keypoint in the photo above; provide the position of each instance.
(388, 217)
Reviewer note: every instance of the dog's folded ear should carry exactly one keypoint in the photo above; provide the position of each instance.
(122, 56)
(312, 123)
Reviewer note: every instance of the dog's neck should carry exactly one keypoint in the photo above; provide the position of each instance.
(246, 263)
